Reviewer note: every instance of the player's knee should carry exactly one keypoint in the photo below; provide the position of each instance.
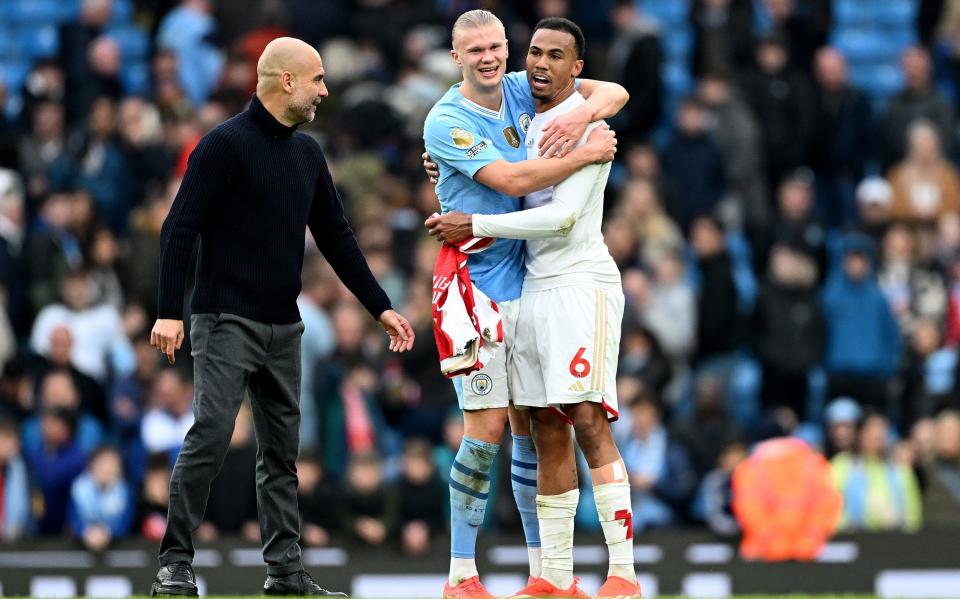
(589, 426)
(485, 425)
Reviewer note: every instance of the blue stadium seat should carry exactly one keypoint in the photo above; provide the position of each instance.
(665, 12)
(896, 13)
(38, 12)
(122, 12)
(678, 43)
(135, 78)
(133, 42)
(14, 72)
(39, 41)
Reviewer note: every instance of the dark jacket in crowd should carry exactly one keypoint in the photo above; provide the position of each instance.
(686, 154)
(788, 327)
(718, 320)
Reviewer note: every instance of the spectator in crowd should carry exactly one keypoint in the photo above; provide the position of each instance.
(43, 145)
(318, 501)
(367, 507)
(862, 338)
(661, 478)
(51, 249)
(913, 289)
(154, 497)
(634, 58)
(719, 330)
(714, 501)
(56, 390)
(874, 198)
(169, 412)
(15, 520)
(639, 207)
(187, 32)
(925, 185)
(918, 99)
(420, 499)
(928, 376)
(141, 267)
(692, 150)
(781, 100)
(842, 419)
(788, 328)
(736, 133)
(666, 304)
(92, 395)
(941, 498)
(642, 358)
(878, 493)
(840, 138)
(709, 428)
(99, 345)
(101, 505)
(723, 36)
(55, 464)
(796, 221)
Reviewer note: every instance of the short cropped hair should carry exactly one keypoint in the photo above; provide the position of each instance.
(567, 26)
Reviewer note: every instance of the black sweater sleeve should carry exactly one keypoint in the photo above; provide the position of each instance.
(336, 241)
(209, 170)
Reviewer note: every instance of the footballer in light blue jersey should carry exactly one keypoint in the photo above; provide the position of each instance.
(462, 137)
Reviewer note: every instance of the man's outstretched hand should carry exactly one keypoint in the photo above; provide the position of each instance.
(167, 336)
(451, 227)
(401, 334)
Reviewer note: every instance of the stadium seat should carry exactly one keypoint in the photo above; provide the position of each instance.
(666, 12)
(37, 12)
(133, 42)
(39, 41)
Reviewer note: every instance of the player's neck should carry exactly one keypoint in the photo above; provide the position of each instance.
(543, 105)
(490, 99)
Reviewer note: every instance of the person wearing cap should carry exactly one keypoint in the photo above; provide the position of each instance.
(874, 196)
(863, 340)
(841, 418)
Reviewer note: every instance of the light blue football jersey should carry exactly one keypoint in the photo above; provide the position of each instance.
(462, 137)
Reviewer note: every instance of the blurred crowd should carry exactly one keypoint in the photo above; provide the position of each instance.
(785, 210)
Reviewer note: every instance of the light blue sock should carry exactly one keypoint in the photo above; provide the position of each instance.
(523, 479)
(469, 489)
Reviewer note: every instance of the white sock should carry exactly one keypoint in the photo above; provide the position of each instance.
(616, 519)
(461, 568)
(534, 556)
(556, 513)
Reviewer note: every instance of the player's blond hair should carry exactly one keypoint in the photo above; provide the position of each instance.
(475, 18)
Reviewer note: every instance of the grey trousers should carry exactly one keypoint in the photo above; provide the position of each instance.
(232, 355)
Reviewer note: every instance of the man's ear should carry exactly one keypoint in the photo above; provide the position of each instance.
(287, 81)
(577, 68)
(455, 57)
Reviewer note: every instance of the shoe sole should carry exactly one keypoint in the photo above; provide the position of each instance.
(637, 596)
(158, 590)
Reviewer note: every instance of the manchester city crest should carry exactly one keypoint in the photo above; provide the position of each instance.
(524, 123)
(481, 384)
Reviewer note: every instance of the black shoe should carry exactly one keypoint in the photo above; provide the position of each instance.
(175, 579)
(298, 583)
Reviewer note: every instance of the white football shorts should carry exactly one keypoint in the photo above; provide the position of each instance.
(488, 387)
(566, 346)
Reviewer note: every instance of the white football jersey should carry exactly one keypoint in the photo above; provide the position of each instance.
(562, 224)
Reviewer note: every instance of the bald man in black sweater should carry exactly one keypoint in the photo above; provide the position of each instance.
(252, 186)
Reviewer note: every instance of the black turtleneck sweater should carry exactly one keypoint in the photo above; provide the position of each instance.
(252, 186)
